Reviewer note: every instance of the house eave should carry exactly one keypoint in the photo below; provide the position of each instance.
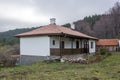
(56, 34)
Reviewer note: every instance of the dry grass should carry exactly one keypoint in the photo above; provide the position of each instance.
(107, 69)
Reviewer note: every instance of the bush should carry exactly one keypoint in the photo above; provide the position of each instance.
(7, 60)
(5, 55)
(109, 54)
(102, 51)
(118, 49)
(95, 58)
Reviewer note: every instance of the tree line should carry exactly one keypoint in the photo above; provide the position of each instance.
(7, 38)
(102, 26)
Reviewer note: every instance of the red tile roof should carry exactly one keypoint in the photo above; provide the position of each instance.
(108, 42)
(54, 30)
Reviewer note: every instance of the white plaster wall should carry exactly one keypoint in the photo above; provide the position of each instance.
(37, 46)
(57, 44)
(111, 48)
(92, 50)
(119, 43)
(67, 42)
(82, 44)
(74, 44)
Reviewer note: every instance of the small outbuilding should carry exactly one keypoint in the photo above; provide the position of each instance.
(108, 44)
(54, 40)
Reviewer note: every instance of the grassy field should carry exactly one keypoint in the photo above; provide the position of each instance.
(107, 69)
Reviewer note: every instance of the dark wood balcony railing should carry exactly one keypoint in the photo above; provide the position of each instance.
(56, 51)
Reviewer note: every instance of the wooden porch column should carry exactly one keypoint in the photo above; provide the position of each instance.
(60, 46)
(80, 46)
(72, 46)
(84, 46)
(87, 46)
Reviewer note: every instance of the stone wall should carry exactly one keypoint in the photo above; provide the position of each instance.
(25, 59)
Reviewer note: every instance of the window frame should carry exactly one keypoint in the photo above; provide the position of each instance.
(53, 42)
(91, 45)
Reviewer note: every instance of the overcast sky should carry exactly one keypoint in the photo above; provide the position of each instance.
(32, 13)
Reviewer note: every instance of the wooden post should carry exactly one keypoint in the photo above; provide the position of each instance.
(60, 46)
(84, 46)
(88, 46)
(72, 46)
(81, 46)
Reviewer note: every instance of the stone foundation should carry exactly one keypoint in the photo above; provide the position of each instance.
(78, 56)
(28, 59)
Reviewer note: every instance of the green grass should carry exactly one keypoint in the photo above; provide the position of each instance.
(107, 69)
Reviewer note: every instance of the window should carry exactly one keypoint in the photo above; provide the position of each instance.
(77, 44)
(53, 42)
(62, 45)
(91, 45)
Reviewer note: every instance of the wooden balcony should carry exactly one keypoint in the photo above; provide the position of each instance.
(57, 51)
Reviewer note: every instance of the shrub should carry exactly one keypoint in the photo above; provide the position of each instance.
(119, 49)
(5, 55)
(109, 54)
(102, 51)
(7, 60)
(95, 58)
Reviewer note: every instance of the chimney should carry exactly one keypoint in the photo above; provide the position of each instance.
(53, 21)
(72, 25)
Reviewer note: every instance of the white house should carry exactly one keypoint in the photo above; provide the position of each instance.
(54, 40)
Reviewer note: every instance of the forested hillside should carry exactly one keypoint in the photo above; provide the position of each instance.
(7, 38)
(101, 26)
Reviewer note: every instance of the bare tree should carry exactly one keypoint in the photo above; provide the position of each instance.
(83, 27)
(115, 13)
(104, 27)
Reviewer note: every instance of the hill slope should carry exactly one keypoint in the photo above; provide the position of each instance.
(7, 37)
(11, 33)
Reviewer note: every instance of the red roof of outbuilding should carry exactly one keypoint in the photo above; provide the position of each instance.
(53, 29)
(107, 42)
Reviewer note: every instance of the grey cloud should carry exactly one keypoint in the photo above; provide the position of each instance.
(67, 10)
(17, 2)
(7, 24)
(64, 10)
